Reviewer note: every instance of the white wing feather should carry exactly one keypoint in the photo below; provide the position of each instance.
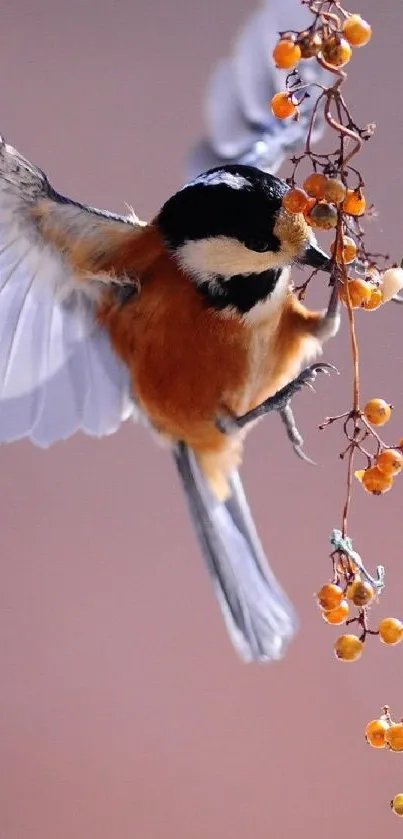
(58, 371)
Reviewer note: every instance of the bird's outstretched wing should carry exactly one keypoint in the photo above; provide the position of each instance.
(58, 372)
(240, 127)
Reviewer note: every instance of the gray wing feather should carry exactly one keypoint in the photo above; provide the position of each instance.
(58, 371)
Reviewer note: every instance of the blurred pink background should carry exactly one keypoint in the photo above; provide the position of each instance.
(124, 711)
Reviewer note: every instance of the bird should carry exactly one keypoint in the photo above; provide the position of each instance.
(188, 322)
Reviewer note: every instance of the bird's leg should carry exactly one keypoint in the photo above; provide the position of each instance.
(278, 402)
(329, 324)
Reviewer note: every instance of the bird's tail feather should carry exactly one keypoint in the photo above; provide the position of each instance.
(260, 619)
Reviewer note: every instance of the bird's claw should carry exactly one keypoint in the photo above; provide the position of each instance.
(303, 456)
(308, 376)
(293, 434)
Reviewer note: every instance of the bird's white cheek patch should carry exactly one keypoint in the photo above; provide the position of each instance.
(225, 257)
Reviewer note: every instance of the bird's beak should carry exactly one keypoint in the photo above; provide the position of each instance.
(315, 258)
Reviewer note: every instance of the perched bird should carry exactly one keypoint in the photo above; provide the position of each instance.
(189, 321)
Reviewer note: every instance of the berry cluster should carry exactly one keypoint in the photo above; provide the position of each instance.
(385, 733)
(331, 197)
(328, 40)
(338, 599)
(382, 468)
(321, 200)
(327, 199)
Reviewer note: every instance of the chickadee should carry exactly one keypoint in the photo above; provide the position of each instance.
(189, 321)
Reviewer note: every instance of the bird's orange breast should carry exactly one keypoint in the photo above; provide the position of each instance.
(188, 362)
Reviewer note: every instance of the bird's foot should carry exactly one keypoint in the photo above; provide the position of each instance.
(280, 403)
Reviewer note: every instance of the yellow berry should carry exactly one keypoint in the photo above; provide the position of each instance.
(282, 106)
(314, 185)
(286, 54)
(296, 200)
(323, 216)
(376, 482)
(361, 593)
(375, 300)
(357, 31)
(334, 191)
(348, 648)
(338, 615)
(330, 596)
(394, 737)
(390, 631)
(336, 51)
(377, 412)
(350, 587)
(346, 250)
(359, 292)
(375, 733)
(397, 804)
(390, 461)
(354, 203)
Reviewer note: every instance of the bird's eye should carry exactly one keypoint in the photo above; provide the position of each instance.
(258, 245)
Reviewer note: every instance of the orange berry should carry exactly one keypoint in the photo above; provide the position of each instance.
(314, 185)
(375, 300)
(348, 648)
(346, 250)
(286, 54)
(356, 579)
(338, 615)
(354, 203)
(309, 44)
(334, 190)
(394, 737)
(377, 411)
(282, 106)
(360, 293)
(357, 31)
(295, 201)
(336, 51)
(361, 593)
(390, 461)
(323, 216)
(330, 596)
(397, 804)
(390, 631)
(376, 481)
(375, 733)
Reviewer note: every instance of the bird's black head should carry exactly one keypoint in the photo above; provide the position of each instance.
(230, 221)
